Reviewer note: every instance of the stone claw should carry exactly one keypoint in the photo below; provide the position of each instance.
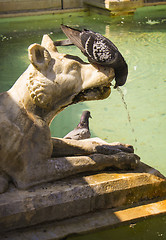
(114, 148)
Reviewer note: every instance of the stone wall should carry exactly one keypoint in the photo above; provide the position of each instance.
(23, 5)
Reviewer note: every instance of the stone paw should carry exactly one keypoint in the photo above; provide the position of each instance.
(113, 148)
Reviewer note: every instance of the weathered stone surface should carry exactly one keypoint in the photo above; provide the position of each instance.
(114, 7)
(89, 222)
(52, 82)
(29, 156)
(64, 167)
(30, 5)
(78, 195)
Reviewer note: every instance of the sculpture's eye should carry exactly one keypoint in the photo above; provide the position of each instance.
(73, 67)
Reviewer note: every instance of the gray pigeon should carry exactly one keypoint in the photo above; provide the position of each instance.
(98, 49)
(82, 129)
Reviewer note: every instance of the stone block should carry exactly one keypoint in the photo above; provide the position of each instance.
(79, 195)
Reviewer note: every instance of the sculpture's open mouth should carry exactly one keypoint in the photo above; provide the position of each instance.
(96, 93)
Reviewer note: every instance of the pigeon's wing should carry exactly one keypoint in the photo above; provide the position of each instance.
(73, 35)
(78, 134)
(98, 48)
(102, 51)
(85, 134)
(93, 45)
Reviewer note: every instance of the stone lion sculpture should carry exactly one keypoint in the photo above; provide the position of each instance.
(53, 81)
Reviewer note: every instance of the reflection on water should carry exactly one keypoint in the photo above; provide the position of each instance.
(141, 39)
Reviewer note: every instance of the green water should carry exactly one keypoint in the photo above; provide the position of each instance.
(142, 41)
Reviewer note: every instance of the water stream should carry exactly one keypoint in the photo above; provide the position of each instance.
(128, 113)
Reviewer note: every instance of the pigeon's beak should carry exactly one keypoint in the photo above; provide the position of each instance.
(120, 82)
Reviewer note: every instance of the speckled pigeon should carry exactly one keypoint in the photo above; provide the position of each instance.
(99, 50)
(82, 129)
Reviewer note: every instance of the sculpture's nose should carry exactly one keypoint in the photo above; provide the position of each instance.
(93, 77)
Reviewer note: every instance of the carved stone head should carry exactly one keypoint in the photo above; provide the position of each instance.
(57, 80)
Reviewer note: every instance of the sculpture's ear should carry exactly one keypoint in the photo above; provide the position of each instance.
(48, 43)
(39, 56)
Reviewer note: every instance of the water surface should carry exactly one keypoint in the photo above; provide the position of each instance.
(142, 41)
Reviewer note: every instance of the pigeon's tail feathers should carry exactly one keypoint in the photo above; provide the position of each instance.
(73, 35)
(66, 42)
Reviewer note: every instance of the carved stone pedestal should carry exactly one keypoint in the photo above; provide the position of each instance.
(82, 203)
